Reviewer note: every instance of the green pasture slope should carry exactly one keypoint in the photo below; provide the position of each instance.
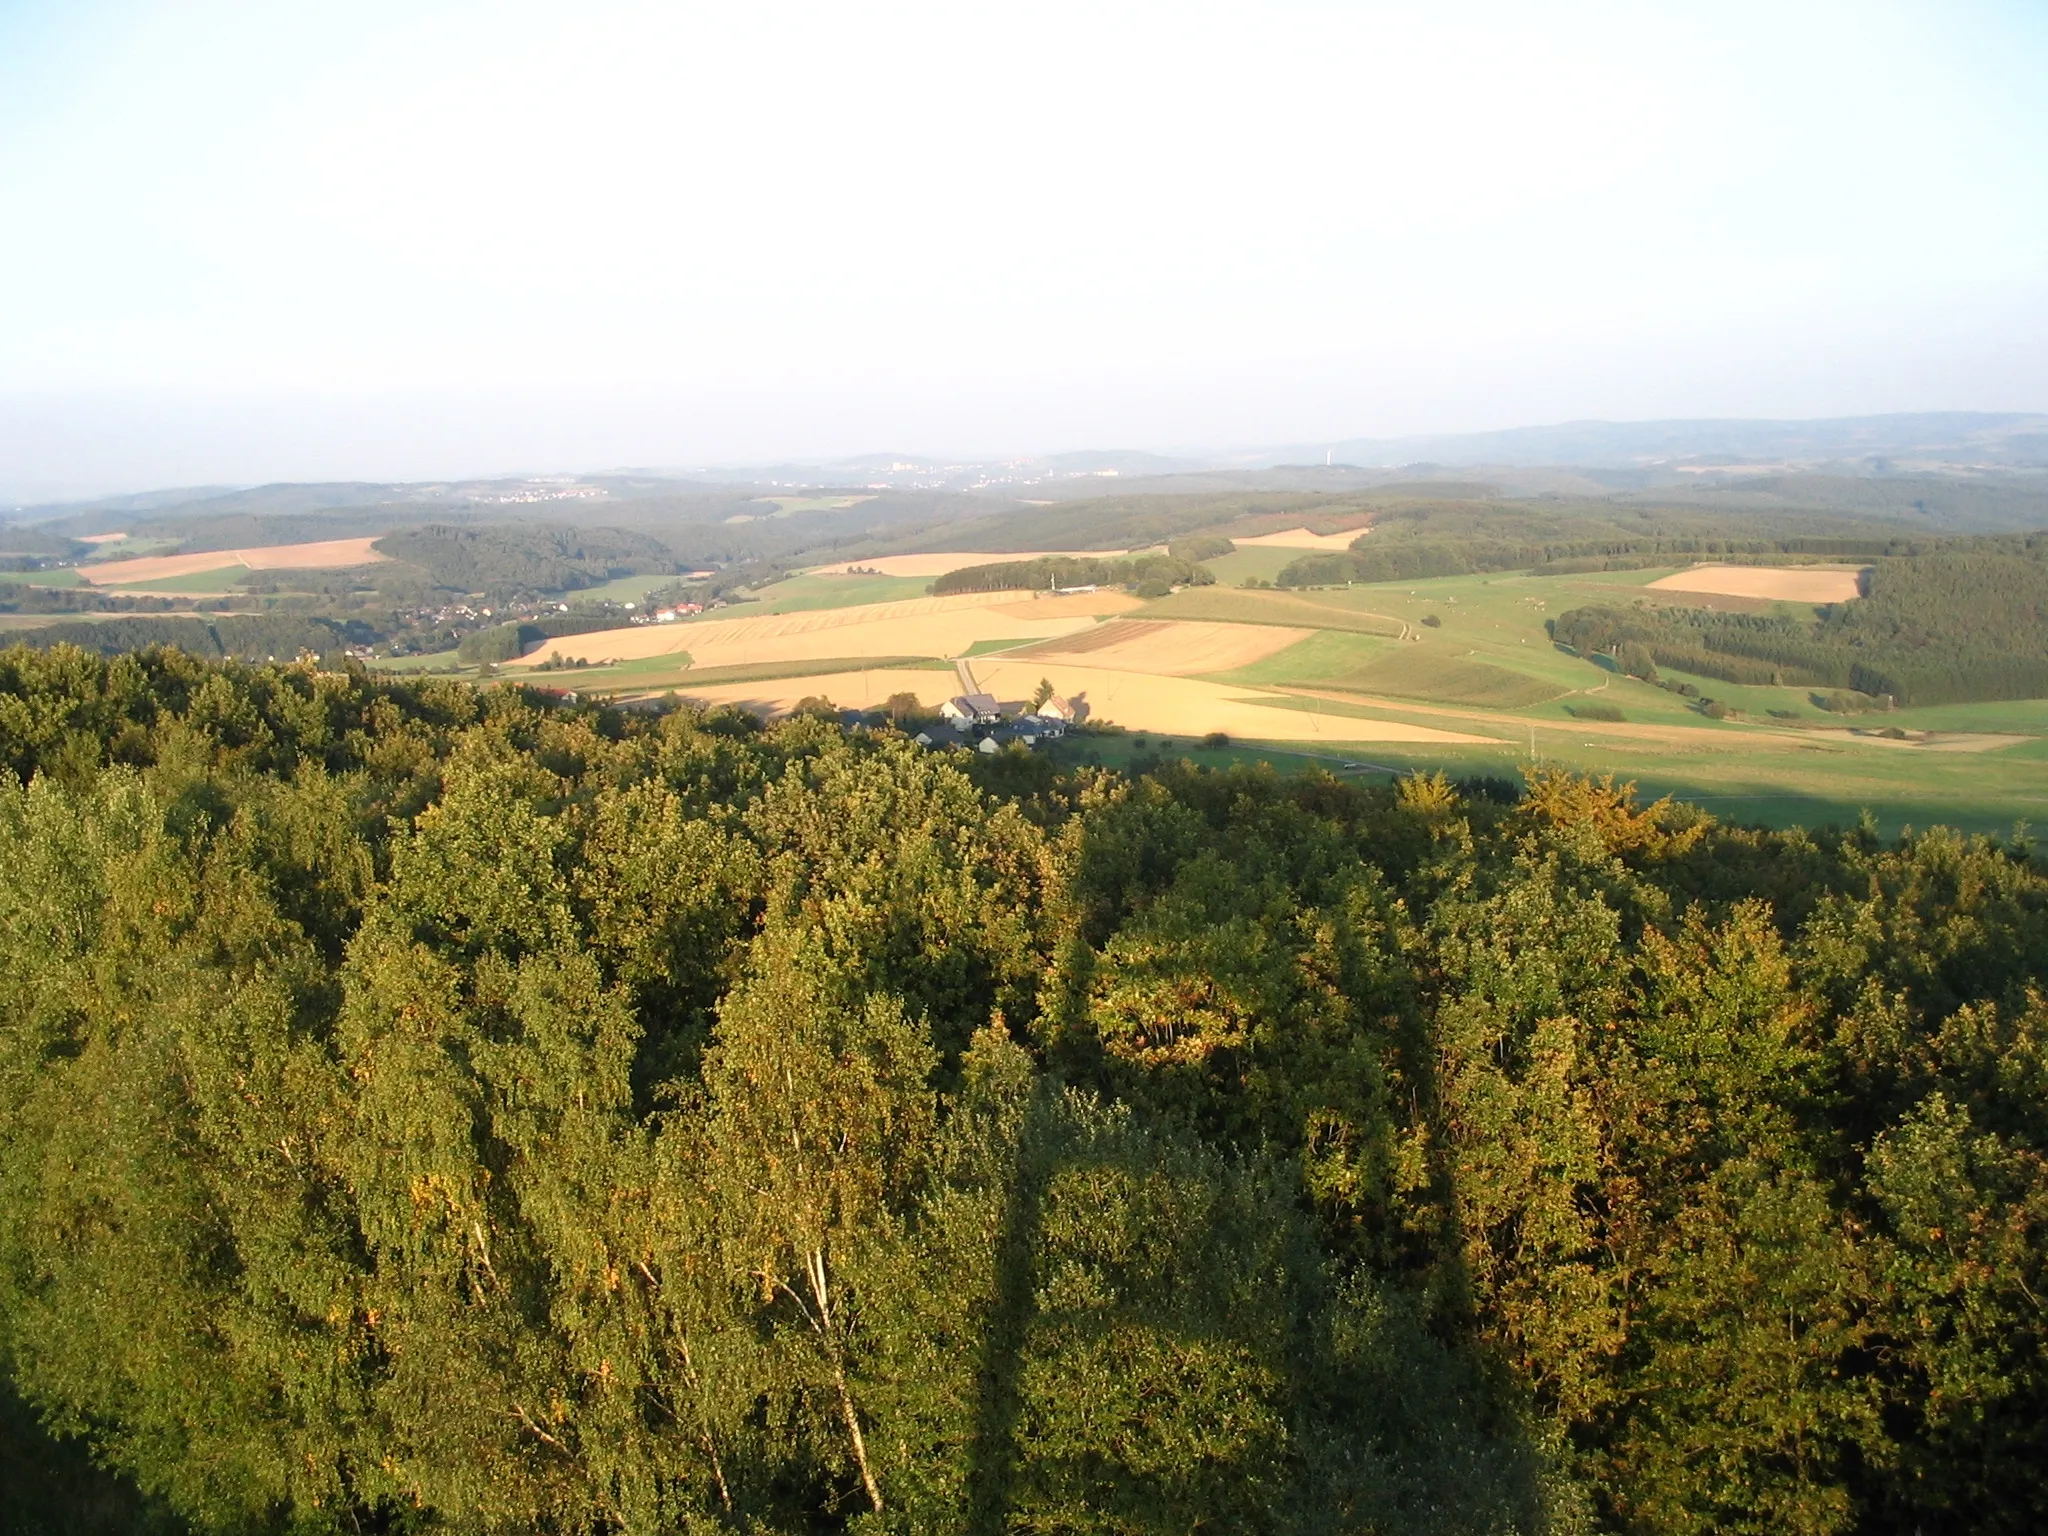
(1490, 657)
(808, 594)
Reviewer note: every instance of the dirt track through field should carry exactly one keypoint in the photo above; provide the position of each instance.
(326, 555)
(1168, 648)
(1777, 583)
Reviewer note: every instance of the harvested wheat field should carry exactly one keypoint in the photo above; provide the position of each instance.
(940, 564)
(327, 555)
(920, 626)
(1777, 583)
(1172, 706)
(1301, 538)
(1169, 647)
(1100, 604)
(1186, 706)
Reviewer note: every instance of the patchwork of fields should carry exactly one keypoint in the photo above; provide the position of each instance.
(1458, 673)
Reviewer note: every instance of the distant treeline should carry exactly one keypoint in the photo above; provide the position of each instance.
(1951, 627)
(1375, 559)
(1069, 571)
(22, 598)
(245, 637)
(531, 557)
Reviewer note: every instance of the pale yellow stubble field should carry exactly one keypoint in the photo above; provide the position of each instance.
(1169, 706)
(1301, 538)
(326, 555)
(924, 626)
(1778, 583)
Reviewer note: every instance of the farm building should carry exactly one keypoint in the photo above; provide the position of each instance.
(970, 709)
(1060, 712)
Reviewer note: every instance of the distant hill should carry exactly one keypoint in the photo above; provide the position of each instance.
(1945, 503)
(2007, 439)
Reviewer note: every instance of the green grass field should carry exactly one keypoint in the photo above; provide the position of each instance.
(1316, 662)
(1233, 570)
(806, 594)
(60, 576)
(627, 589)
(1489, 668)
(1308, 610)
(785, 506)
(221, 579)
(1436, 673)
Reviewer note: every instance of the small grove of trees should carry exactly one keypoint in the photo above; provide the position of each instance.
(425, 1107)
(1201, 546)
(1074, 571)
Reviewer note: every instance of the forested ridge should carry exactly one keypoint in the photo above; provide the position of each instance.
(1418, 540)
(537, 557)
(426, 1108)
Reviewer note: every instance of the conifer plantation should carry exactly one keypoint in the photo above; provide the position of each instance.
(434, 1109)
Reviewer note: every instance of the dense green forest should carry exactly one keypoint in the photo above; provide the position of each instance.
(534, 557)
(1953, 626)
(426, 1108)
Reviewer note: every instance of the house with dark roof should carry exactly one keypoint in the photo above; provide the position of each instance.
(967, 710)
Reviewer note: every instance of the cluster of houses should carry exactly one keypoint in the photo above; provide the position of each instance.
(979, 718)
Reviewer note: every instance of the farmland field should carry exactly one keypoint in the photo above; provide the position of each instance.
(1457, 673)
(1301, 538)
(327, 554)
(1790, 584)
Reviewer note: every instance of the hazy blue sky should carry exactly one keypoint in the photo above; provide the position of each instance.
(277, 240)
